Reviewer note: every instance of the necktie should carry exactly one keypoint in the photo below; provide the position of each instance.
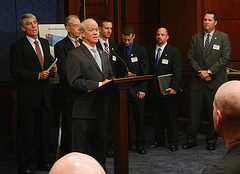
(97, 58)
(158, 56)
(106, 49)
(76, 43)
(127, 52)
(39, 54)
(206, 46)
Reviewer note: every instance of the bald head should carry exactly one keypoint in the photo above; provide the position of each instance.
(76, 163)
(227, 99)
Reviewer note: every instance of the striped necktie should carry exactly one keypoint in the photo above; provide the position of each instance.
(206, 46)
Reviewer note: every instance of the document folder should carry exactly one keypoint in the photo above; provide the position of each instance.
(164, 83)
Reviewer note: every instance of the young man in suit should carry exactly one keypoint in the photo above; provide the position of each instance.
(165, 59)
(30, 59)
(226, 119)
(61, 49)
(110, 48)
(87, 68)
(136, 58)
(208, 56)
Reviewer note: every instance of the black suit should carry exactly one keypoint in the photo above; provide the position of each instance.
(61, 50)
(228, 164)
(165, 107)
(89, 124)
(113, 48)
(138, 64)
(33, 99)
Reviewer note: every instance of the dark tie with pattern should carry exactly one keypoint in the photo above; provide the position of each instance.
(206, 45)
(39, 54)
(158, 56)
(106, 49)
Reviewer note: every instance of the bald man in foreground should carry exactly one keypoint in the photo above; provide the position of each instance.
(77, 163)
(226, 119)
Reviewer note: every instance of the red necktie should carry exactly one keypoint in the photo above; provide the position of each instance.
(39, 54)
(76, 43)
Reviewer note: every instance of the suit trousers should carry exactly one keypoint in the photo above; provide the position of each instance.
(32, 126)
(200, 99)
(66, 138)
(165, 117)
(89, 137)
(139, 119)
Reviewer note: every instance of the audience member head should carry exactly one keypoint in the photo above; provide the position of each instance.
(105, 28)
(72, 24)
(209, 21)
(76, 163)
(161, 36)
(29, 25)
(226, 111)
(89, 31)
(128, 35)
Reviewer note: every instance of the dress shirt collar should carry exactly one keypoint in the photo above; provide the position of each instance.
(73, 40)
(162, 48)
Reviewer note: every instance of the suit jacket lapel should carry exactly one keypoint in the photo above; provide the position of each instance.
(32, 51)
(213, 40)
(89, 55)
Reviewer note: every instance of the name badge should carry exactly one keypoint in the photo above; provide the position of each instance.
(134, 59)
(114, 58)
(216, 47)
(165, 61)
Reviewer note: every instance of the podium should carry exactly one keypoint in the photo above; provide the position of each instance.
(120, 85)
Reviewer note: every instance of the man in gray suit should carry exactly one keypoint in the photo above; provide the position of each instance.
(208, 55)
(87, 68)
(226, 118)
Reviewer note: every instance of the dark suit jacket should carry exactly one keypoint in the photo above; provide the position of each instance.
(113, 48)
(84, 74)
(216, 59)
(25, 69)
(139, 67)
(228, 164)
(174, 66)
(61, 50)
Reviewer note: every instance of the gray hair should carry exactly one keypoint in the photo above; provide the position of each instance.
(67, 19)
(27, 15)
(86, 21)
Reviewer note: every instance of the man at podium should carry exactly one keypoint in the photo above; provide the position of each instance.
(88, 68)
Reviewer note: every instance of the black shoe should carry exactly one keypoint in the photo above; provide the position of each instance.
(27, 171)
(156, 145)
(189, 145)
(110, 153)
(141, 150)
(173, 148)
(44, 167)
(211, 146)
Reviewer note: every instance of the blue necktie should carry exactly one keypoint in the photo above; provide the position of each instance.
(158, 56)
(97, 58)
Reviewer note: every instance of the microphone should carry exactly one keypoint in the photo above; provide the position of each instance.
(128, 72)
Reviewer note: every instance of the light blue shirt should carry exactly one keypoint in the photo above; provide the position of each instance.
(210, 37)
(31, 40)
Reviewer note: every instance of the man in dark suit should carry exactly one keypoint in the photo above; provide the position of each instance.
(30, 59)
(110, 48)
(136, 58)
(88, 68)
(165, 59)
(105, 31)
(226, 119)
(61, 49)
(208, 55)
